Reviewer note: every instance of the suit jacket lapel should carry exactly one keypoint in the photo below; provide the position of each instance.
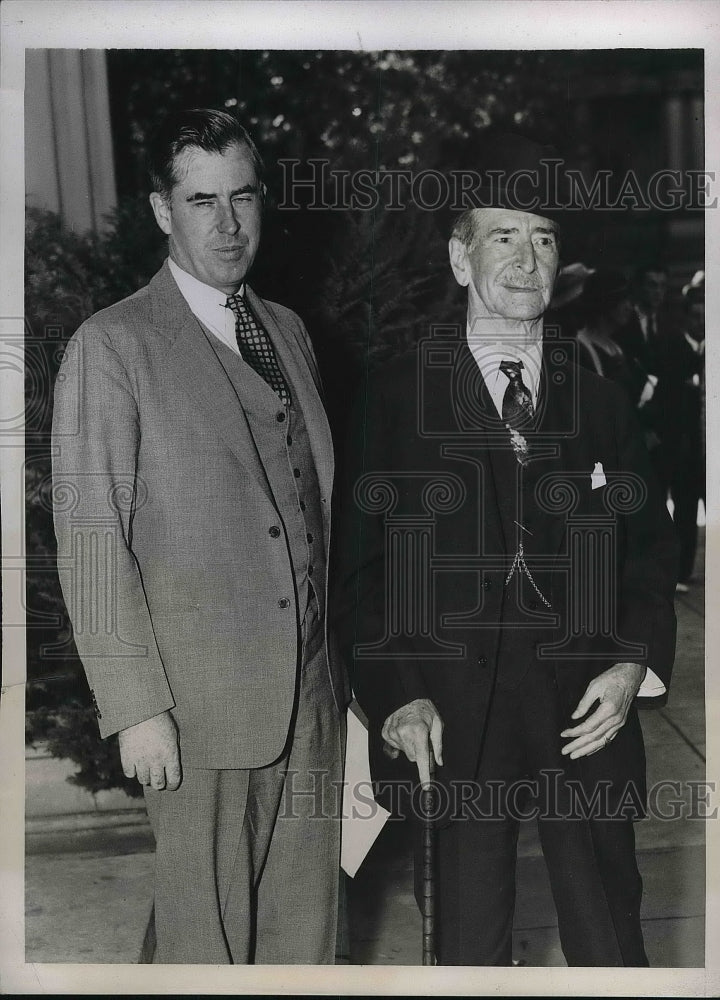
(484, 429)
(555, 420)
(195, 363)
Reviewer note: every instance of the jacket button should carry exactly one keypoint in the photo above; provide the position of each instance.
(486, 584)
(289, 439)
(302, 505)
(309, 537)
(482, 661)
(283, 603)
(280, 417)
(274, 532)
(311, 570)
(296, 473)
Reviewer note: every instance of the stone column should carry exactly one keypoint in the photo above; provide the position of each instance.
(68, 139)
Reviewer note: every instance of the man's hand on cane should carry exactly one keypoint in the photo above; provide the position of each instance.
(414, 729)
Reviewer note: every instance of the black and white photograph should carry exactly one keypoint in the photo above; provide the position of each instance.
(356, 497)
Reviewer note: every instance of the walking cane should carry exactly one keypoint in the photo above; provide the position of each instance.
(427, 899)
(427, 890)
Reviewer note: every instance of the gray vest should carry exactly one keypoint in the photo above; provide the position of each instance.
(283, 443)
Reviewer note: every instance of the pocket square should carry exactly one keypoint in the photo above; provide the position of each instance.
(597, 478)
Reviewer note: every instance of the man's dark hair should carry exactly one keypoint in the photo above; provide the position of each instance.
(198, 128)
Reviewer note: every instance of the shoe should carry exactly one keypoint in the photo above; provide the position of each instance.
(682, 588)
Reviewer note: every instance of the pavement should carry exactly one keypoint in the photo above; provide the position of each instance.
(89, 859)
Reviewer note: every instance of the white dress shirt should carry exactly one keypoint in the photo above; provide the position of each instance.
(208, 304)
(488, 357)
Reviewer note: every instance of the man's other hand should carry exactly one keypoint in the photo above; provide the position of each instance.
(150, 752)
(615, 689)
(413, 729)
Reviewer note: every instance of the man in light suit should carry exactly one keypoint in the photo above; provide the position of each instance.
(190, 432)
(509, 574)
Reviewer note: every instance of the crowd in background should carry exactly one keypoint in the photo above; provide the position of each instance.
(627, 331)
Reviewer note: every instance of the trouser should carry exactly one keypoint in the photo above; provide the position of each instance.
(686, 480)
(247, 861)
(591, 862)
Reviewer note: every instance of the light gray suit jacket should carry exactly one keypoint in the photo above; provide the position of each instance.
(180, 595)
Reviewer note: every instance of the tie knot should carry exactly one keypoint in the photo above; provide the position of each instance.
(237, 303)
(512, 370)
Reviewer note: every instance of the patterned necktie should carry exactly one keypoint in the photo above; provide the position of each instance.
(517, 408)
(256, 348)
(517, 404)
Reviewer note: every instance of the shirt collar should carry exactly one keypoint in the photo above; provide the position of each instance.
(204, 300)
(697, 345)
(489, 355)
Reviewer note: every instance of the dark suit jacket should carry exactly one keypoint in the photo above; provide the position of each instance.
(181, 597)
(679, 395)
(419, 421)
(644, 357)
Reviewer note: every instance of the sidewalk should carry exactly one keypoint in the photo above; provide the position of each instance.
(89, 861)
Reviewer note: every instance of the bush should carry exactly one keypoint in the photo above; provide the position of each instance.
(68, 277)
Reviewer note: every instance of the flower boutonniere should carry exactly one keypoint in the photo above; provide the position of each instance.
(519, 445)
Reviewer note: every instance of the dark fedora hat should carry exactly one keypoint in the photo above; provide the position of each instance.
(517, 173)
(504, 169)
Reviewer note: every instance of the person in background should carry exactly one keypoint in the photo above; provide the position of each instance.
(680, 403)
(641, 339)
(607, 308)
(565, 308)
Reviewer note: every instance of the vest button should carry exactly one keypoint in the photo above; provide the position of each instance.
(482, 661)
(486, 584)
(309, 537)
(311, 570)
(283, 603)
(280, 416)
(296, 473)
(274, 532)
(289, 439)
(302, 505)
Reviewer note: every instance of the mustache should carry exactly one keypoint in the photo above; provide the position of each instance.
(517, 281)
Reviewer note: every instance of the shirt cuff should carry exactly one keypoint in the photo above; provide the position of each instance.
(652, 686)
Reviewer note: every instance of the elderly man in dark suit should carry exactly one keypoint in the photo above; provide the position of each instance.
(509, 591)
(191, 435)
